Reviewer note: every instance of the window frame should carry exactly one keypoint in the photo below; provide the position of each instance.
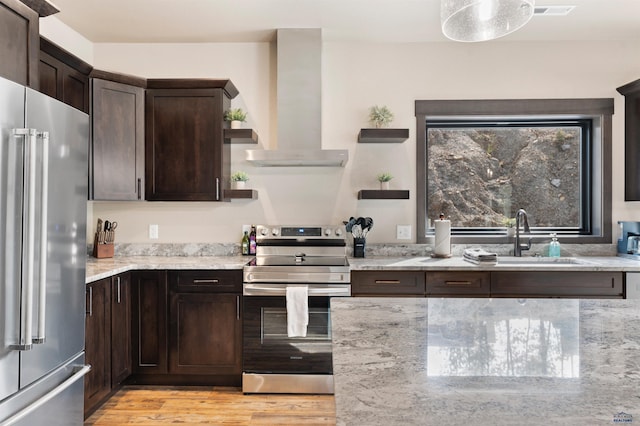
(598, 110)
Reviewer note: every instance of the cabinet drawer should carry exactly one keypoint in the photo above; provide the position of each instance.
(209, 281)
(458, 283)
(557, 284)
(387, 283)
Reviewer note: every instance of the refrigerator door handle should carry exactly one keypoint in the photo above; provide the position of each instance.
(28, 253)
(47, 397)
(42, 279)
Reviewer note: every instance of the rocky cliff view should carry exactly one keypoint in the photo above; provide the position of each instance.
(479, 177)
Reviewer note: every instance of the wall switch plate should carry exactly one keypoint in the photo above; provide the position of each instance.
(153, 232)
(403, 232)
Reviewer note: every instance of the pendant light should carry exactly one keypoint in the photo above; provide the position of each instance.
(481, 20)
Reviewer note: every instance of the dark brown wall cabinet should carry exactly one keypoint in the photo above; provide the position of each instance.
(64, 76)
(387, 283)
(631, 93)
(205, 323)
(107, 338)
(117, 150)
(19, 43)
(186, 157)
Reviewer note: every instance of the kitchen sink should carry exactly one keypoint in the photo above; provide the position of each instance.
(506, 260)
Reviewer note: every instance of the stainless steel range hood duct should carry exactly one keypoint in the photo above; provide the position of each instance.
(299, 102)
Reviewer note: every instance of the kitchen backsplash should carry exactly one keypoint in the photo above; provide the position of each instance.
(372, 250)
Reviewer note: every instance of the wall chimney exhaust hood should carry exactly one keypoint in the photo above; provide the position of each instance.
(299, 103)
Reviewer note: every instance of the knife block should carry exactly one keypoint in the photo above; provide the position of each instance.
(102, 250)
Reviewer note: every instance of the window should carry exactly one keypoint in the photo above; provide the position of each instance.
(480, 161)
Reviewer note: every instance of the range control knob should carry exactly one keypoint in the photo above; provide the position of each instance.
(339, 232)
(328, 232)
(264, 231)
(275, 232)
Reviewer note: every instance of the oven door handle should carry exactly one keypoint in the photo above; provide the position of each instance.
(341, 290)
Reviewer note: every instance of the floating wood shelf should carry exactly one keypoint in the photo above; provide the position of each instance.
(245, 136)
(246, 194)
(383, 135)
(383, 194)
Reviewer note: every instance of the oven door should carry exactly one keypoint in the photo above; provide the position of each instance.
(266, 346)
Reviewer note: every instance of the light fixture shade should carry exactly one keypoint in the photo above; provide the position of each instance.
(481, 20)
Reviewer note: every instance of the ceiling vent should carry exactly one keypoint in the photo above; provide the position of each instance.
(552, 10)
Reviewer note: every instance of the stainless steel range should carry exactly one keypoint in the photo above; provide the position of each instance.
(296, 271)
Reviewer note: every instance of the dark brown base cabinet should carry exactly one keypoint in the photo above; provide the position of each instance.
(388, 283)
(187, 328)
(149, 320)
(205, 323)
(569, 284)
(458, 284)
(97, 382)
(107, 338)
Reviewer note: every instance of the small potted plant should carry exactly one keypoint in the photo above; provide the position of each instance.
(239, 179)
(510, 224)
(384, 179)
(236, 116)
(380, 116)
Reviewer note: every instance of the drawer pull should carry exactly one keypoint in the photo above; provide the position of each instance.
(211, 281)
(387, 281)
(458, 283)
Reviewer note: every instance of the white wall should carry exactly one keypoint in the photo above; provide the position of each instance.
(55, 31)
(355, 77)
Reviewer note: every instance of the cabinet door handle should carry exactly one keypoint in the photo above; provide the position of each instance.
(118, 282)
(209, 281)
(90, 311)
(218, 189)
(458, 283)
(387, 281)
(238, 308)
(139, 189)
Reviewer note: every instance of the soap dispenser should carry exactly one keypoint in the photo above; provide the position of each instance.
(554, 246)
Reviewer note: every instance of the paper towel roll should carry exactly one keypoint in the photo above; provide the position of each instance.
(442, 246)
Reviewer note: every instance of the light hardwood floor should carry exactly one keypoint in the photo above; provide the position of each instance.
(153, 405)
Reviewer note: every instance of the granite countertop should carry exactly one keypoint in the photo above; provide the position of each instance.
(525, 263)
(98, 269)
(485, 361)
(104, 268)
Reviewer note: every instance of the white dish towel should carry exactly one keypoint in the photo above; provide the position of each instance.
(297, 311)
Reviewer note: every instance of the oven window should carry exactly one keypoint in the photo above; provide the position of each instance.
(274, 324)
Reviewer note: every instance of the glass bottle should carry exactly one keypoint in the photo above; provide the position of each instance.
(252, 240)
(245, 243)
(554, 246)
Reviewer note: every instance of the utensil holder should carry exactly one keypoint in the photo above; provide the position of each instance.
(358, 247)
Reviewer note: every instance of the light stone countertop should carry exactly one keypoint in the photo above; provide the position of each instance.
(98, 269)
(104, 268)
(449, 361)
(457, 263)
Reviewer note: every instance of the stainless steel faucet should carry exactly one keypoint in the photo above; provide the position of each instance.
(517, 246)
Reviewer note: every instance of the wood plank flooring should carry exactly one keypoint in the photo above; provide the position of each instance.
(153, 405)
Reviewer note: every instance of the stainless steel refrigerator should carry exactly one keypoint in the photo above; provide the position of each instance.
(43, 202)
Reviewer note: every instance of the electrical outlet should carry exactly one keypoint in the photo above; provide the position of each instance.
(153, 232)
(246, 228)
(403, 232)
